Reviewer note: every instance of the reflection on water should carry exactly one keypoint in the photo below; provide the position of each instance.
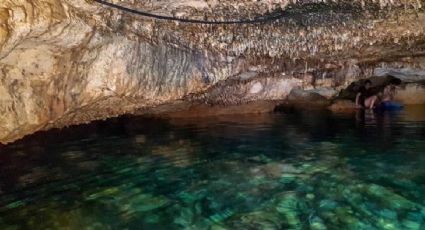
(300, 170)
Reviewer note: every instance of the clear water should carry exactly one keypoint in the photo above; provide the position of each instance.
(298, 170)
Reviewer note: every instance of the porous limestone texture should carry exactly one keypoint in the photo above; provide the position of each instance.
(65, 62)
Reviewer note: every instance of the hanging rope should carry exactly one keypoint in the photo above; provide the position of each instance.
(261, 19)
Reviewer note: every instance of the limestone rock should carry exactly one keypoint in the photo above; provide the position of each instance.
(74, 61)
(343, 105)
(306, 98)
(411, 94)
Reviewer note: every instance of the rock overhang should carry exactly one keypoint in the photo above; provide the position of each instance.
(70, 62)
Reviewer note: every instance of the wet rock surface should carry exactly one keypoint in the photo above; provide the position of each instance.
(70, 62)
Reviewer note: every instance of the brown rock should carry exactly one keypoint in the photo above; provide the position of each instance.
(74, 61)
(410, 94)
(342, 105)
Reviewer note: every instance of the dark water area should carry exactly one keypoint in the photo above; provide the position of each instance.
(289, 170)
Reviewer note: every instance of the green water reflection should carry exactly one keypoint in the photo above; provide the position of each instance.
(299, 170)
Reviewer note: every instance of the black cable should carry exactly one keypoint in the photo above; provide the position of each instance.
(261, 19)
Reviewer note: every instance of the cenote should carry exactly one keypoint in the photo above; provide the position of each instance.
(286, 170)
(212, 115)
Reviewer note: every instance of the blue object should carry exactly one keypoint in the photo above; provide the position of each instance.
(390, 105)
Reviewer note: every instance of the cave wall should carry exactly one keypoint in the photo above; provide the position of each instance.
(75, 61)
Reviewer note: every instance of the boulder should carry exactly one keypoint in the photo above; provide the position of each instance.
(342, 105)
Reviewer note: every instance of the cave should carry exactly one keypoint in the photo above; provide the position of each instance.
(207, 114)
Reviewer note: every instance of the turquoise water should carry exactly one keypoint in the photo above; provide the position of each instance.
(293, 170)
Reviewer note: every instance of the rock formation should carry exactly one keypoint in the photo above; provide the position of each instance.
(74, 61)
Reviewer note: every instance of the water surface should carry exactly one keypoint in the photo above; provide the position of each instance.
(293, 170)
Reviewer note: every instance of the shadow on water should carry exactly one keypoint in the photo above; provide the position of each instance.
(293, 170)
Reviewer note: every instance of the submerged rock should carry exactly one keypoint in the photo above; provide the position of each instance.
(257, 220)
(288, 206)
(391, 199)
(317, 224)
(146, 202)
